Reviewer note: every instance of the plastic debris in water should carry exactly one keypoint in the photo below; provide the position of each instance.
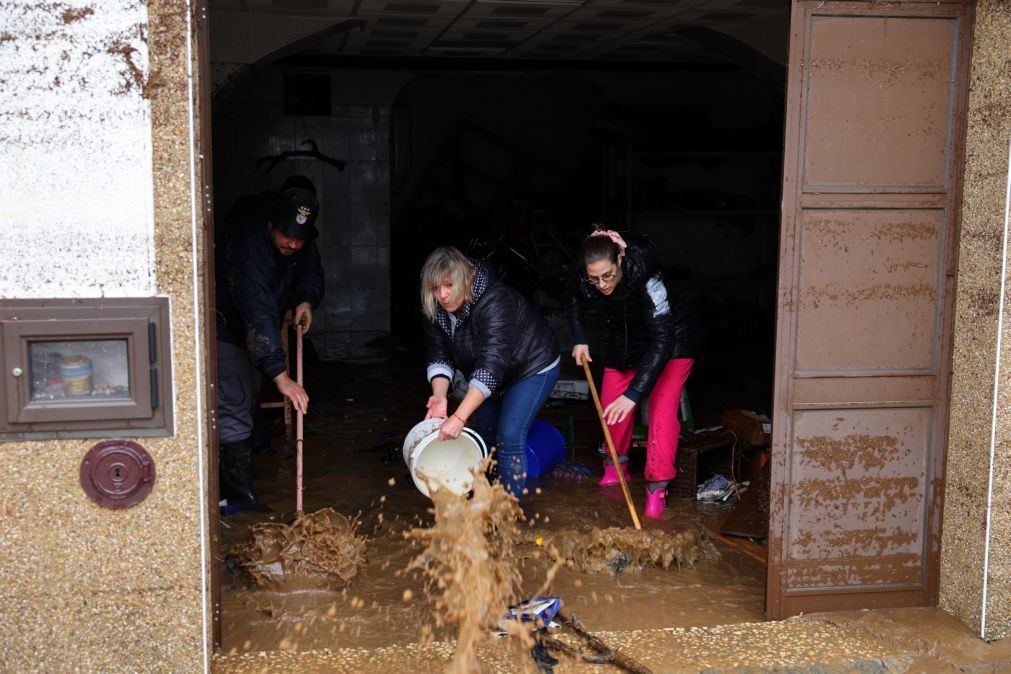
(543, 659)
(618, 563)
(572, 471)
(719, 488)
(540, 611)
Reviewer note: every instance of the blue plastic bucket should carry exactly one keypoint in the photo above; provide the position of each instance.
(545, 448)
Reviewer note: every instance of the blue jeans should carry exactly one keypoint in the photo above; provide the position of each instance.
(504, 424)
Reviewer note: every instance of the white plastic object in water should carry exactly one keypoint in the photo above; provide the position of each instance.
(445, 464)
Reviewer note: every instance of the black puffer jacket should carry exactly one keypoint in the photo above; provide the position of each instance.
(256, 285)
(498, 340)
(648, 320)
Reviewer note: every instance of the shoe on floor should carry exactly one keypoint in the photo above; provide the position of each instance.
(655, 502)
(714, 488)
(611, 475)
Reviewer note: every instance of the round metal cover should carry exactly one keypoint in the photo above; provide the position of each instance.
(117, 473)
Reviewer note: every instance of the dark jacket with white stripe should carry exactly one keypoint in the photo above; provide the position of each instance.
(648, 321)
(499, 339)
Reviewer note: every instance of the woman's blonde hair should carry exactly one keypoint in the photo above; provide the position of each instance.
(445, 262)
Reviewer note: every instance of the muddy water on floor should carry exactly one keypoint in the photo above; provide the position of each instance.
(347, 438)
(317, 551)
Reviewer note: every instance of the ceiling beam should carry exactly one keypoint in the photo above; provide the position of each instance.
(461, 64)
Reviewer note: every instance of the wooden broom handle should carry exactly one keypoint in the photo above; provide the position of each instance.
(610, 445)
(299, 421)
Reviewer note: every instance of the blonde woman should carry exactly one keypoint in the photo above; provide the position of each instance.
(506, 350)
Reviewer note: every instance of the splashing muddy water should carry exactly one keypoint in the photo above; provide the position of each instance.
(318, 551)
(470, 563)
(616, 550)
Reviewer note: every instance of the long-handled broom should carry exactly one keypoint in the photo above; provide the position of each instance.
(610, 444)
(298, 423)
(320, 550)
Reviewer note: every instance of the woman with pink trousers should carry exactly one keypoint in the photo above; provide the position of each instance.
(649, 352)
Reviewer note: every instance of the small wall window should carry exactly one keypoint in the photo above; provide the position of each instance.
(84, 368)
(73, 372)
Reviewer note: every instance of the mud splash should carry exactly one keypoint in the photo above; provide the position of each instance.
(470, 563)
(318, 551)
(617, 550)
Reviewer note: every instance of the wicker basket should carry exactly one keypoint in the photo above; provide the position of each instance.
(701, 455)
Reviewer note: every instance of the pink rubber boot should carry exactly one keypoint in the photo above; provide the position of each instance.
(655, 502)
(611, 475)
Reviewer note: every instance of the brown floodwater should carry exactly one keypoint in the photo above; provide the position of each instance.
(678, 572)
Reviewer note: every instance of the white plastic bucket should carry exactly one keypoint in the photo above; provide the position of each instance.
(445, 464)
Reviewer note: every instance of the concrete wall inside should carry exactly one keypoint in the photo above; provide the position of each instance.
(95, 191)
(354, 224)
(525, 161)
(555, 143)
(976, 539)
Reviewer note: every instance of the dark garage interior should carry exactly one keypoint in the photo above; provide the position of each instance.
(508, 128)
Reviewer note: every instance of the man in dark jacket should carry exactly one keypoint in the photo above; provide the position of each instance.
(267, 263)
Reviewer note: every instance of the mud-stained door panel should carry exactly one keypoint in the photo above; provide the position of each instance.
(858, 508)
(874, 75)
(868, 296)
(875, 121)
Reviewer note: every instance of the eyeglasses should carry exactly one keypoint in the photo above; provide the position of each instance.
(603, 278)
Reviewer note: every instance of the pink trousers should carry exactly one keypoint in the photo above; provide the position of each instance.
(664, 426)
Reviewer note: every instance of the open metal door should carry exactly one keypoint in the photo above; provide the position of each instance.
(871, 188)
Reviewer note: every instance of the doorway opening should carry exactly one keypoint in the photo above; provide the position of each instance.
(512, 160)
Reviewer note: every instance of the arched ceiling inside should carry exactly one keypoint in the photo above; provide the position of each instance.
(688, 32)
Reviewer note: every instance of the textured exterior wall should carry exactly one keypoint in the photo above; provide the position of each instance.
(76, 160)
(978, 308)
(95, 108)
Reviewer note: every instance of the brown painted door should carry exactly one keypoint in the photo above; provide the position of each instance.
(875, 122)
(208, 317)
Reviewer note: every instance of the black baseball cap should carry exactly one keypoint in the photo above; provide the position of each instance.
(294, 212)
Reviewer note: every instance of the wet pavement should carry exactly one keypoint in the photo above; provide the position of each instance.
(916, 640)
(703, 617)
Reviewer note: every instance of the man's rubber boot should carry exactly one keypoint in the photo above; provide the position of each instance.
(611, 475)
(261, 433)
(655, 502)
(237, 475)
